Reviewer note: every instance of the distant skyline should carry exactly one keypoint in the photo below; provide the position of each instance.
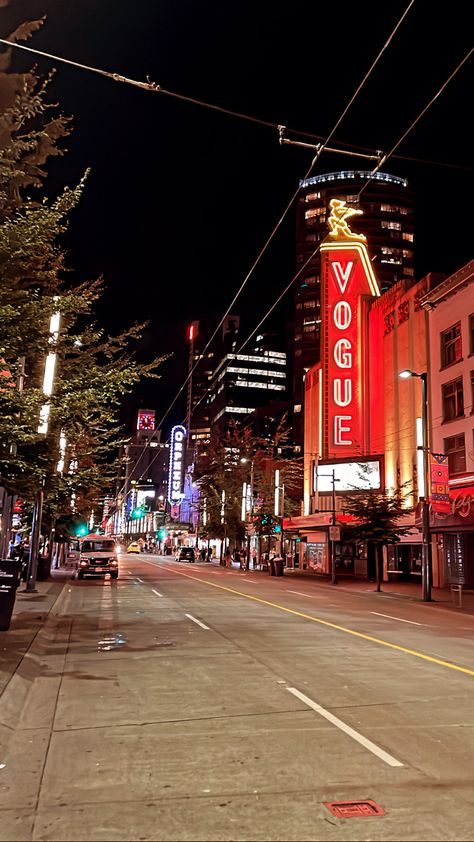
(181, 199)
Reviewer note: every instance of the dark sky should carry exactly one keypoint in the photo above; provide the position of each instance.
(181, 199)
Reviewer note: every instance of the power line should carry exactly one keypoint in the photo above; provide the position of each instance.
(372, 175)
(154, 87)
(280, 221)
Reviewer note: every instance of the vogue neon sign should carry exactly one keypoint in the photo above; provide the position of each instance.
(176, 469)
(348, 278)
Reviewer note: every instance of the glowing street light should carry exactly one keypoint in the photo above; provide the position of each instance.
(423, 482)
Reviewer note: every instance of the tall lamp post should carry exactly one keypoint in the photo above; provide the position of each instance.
(426, 566)
(244, 460)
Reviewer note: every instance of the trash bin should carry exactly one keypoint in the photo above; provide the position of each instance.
(10, 570)
(271, 567)
(278, 562)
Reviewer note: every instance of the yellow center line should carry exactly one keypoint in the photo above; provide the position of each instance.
(305, 616)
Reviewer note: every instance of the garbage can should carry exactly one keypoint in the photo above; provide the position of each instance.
(278, 562)
(271, 567)
(10, 570)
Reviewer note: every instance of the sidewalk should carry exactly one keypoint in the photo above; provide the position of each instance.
(396, 590)
(411, 591)
(30, 612)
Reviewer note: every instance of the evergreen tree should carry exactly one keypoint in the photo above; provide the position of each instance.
(93, 370)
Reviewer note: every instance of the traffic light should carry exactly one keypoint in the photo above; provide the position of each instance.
(138, 512)
(162, 533)
(70, 526)
(80, 530)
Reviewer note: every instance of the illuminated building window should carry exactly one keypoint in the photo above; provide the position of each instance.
(451, 349)
(406, 235)
(309, 328)
(393, 251)
(298, 337)
(311, 212)
(404, 211)
(312, 279)
(455, 450)
(311, 197)
(299, 305)
(397, 226)
(407, 253)
(312, 238)
(309, 305)
(389, 208)
(408, 271)
(354, 198)
(453, 399)
(297, 407)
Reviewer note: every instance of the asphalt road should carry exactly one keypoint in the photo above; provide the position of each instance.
(190, 702)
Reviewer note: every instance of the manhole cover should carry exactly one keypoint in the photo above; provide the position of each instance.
(353, 809)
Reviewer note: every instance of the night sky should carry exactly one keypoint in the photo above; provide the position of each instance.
(181, 199)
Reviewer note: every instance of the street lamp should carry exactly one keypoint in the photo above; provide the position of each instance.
(426, 568)
(248, 489)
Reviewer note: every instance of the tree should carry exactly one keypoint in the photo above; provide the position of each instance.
(93, 370)
(378, 519)
(238, 457)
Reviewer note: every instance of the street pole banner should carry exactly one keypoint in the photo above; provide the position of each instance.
(439, 483)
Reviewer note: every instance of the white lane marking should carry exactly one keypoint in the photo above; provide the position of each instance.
(302, 594)
(368, 744)
(197, 621)
(400, 619)
(131, 574)
(157, 592)
(139, 580)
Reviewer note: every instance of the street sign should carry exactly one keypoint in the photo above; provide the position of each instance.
(334, 533)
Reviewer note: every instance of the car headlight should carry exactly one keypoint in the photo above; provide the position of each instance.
(84, 562)
(113, 561)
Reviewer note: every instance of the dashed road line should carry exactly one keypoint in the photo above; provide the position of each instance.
(157, 592)
(359, 738)
(195, 620)
(400, 619)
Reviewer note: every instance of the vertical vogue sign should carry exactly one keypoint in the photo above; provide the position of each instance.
(348, 277)
(176, 471)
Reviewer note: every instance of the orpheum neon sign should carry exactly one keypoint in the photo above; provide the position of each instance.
(176, 469)
(348, 283)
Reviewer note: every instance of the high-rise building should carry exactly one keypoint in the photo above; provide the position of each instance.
(242, 382)
(387, 222)
(203, 361)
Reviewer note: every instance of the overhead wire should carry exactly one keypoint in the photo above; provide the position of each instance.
(289, 205)
(269, 239)
(371, 177)
(154, 87)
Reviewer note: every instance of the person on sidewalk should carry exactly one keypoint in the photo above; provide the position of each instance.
(253, 554)
(228, 558)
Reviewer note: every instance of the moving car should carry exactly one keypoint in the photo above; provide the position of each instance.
(133, 547)
(185, 554)
(97, 556)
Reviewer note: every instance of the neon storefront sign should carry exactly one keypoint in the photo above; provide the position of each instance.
(348, 285)
(176, 468)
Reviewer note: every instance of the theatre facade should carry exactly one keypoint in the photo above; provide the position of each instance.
(362, 421)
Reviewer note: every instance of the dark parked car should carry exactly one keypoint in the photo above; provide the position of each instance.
(185, 554)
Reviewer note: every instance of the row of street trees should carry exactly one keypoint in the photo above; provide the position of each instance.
(242, 456)
(93, 369)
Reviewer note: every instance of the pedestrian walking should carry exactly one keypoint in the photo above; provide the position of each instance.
(228, 558)
(253, 554)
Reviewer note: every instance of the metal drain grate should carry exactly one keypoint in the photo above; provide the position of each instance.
(354, 809)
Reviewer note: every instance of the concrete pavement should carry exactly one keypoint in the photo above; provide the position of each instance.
(188, 702)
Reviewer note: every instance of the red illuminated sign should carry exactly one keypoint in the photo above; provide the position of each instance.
(348, 283)
(439, 483)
